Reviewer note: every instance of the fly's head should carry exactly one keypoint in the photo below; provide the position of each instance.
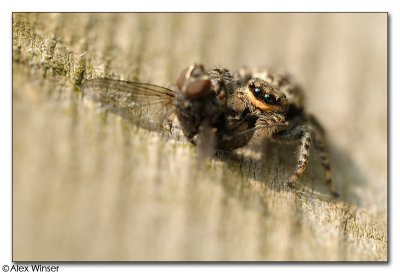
(194, 82)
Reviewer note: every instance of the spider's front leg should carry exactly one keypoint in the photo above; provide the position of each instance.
(303, 157)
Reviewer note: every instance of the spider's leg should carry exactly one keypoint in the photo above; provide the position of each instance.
(319, 144)
(303, 157)
(303, 134)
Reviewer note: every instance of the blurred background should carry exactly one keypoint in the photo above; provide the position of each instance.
(88, 185)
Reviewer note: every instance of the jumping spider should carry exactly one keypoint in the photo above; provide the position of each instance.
(224, 108)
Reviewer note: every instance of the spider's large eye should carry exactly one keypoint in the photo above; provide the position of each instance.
(257, 92)
(270, 99)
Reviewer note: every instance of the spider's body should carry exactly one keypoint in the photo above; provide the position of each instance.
(274, 100)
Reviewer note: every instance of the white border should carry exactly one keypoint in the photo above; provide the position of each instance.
(204, 5)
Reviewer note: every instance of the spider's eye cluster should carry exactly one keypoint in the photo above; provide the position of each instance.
(260, 94)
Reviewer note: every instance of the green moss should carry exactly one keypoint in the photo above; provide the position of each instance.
(79, 74)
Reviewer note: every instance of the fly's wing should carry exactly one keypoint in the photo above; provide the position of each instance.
(146, 105)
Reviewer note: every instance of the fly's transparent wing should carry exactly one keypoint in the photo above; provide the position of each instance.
(146, 105)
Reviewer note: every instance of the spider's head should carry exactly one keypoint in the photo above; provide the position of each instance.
(264, 97)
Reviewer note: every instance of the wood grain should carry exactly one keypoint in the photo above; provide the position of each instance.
(89, 185)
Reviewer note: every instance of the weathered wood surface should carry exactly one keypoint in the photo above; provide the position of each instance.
(88, 185)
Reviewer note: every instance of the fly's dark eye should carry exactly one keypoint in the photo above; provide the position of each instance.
(269, 99)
